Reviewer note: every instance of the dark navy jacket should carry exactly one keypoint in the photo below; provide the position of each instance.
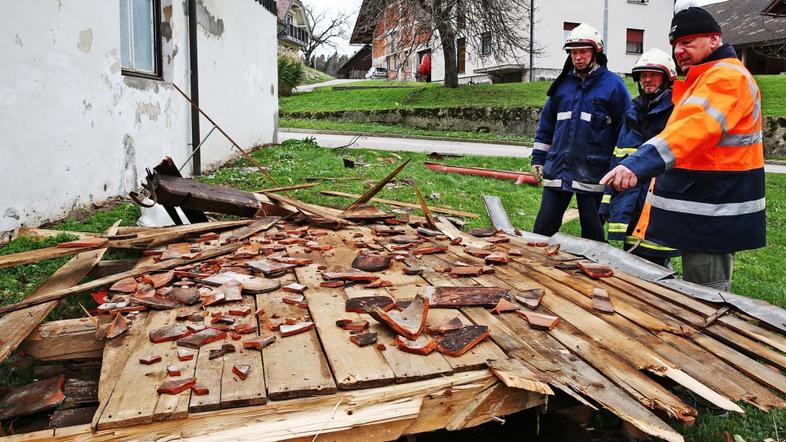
(643, 120)
(578, 129)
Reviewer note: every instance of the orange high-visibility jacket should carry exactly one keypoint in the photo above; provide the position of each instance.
(710, 196)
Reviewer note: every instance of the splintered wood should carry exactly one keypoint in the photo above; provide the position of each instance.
(312, 316)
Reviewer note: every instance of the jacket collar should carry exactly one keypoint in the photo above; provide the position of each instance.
(661, 103)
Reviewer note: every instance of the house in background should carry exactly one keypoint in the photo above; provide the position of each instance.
(357, 65)
(88, 99)
(294, 28)
(756, 31)
(629, 27)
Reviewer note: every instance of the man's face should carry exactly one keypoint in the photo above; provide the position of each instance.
(690, 51)
(581, 58)
(651, 81)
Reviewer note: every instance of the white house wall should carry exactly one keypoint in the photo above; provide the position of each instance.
(654, 18)
(75, 130)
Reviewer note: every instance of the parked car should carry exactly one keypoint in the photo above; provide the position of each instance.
(377, 73)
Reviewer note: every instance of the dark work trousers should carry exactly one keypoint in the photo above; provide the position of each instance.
(552, 208)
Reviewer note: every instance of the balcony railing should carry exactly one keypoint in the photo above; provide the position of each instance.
(296, 33)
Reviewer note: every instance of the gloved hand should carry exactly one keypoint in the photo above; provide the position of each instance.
(537, 171)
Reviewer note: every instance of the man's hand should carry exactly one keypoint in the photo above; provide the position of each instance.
(537, 171)
(620, 178)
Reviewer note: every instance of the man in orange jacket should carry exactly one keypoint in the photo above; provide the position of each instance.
(709, 200)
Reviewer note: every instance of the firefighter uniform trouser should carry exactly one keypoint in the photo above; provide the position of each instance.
(553, 205)
(708, 269)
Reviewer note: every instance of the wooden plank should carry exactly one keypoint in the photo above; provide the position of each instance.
(295, 365)
(445, 210)
(16, 326)
(514, 374)
(407, 367)
(309, 208)
(378, 186)
(102, 282)
(38, 255)
(624, 281)
(287, 188)
(244, 232)
(251, 391)
(634, 311)
(208, 373)
(352, 366)
(134, 400)
(63, 340)
(49, 233)
(116, 353)
(367, 412)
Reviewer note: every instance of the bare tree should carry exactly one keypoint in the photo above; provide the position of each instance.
(494, 28)
(325, 30)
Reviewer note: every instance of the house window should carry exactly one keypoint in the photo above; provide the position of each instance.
(140, 43)
(634, 43)
(461, 54)
(485, 43)
(566, 28)
(640, 2)
(392, 63)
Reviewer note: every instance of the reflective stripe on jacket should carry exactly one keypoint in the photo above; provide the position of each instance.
(643, 120)
(711, 197)
(578, 128)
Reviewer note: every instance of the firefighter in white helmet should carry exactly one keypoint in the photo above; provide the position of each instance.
(655, 73)
(576, 134)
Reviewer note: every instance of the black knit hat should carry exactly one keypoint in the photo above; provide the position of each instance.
(692, 21)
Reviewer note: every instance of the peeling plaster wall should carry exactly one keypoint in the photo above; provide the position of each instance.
(75, 130)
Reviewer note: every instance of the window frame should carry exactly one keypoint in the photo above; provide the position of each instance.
(628, 42)
(485, 43)
(568, 26)
(158, 63)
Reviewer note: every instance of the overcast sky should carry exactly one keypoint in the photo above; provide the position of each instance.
(352, 7)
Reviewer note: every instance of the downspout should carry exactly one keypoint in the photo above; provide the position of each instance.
(606, 25)
(193, 55)
(531, 37)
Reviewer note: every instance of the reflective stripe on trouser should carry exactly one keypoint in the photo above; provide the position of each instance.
(606, 199)
(618, 227)
(587, 187)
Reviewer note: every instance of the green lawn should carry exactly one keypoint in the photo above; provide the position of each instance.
(423, 95)
(396, 129)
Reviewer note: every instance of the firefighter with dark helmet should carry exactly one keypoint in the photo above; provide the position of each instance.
(709, 198)
(576, 134)
(655, 73)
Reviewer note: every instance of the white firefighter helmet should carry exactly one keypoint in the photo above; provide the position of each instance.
(655, 60)
(584, 36)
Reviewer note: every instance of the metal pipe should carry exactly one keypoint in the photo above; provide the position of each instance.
(193, 55)
(531, 38)
(519, 177)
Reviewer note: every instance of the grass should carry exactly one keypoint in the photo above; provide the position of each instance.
(430, 95)
(18, 282)
(396, 129)
(314, 76)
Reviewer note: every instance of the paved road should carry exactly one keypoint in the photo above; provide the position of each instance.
(311, 87)
(412, 144)
(428, 146)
